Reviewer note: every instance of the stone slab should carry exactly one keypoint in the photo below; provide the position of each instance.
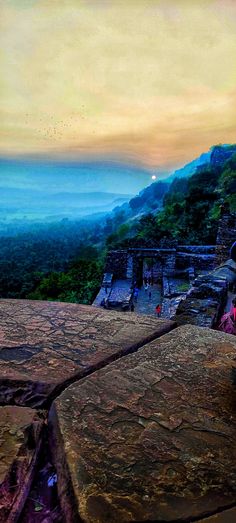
(151, 437)
(20, 430)
(46, 345)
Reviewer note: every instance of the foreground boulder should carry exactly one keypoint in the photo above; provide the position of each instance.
(20, 437)
(151, 436)
(44, 346)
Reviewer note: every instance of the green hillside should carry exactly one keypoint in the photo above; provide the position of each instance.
(191, 206)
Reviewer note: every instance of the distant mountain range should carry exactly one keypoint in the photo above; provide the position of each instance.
(40, 205)
(150, 199)
(44, 191)
(79, 177)
(39, 190)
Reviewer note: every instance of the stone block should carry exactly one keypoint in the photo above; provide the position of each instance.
(20, 438)
(150, 437)
(44, 346)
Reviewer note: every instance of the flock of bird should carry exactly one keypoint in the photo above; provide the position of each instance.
(55, 129)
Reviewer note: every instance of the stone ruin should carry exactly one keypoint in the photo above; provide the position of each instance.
(209, 271)
(124, 270)
(135, 414)
(210, 293)
(226, 234)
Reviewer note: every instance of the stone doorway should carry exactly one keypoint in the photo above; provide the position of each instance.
(149, 271)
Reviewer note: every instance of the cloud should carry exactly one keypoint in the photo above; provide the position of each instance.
(150, 80)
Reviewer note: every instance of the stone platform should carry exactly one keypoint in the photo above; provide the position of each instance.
(142, 415)
(44, 346)
(152, 436)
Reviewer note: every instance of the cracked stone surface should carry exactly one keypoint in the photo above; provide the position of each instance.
(44, 345)
(151, 436)
(20, 430)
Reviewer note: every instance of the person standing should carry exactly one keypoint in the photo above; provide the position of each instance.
(158, 310)
(228, 320)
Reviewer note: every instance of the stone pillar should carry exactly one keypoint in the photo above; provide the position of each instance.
(169, 261)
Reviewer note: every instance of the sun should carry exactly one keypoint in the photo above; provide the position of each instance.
(154, 177)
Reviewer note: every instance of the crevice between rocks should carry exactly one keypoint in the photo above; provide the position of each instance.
(42, 503)
(104, 363)
(35, 395)
(51, 509)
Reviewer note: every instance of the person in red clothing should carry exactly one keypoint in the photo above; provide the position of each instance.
(158, 310)
(228, 321)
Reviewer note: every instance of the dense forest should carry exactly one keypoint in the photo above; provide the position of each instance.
(64, 261)
(190, 208)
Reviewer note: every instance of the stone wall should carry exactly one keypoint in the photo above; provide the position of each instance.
(169, 262)
(206, 300)
(226, 235)
(200, 262)
(197, 249)
(203, 305)
(166, 261)
(116, 264)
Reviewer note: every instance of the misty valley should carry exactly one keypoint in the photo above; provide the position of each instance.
(54, 243)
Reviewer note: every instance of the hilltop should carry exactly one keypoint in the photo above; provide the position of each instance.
(186, 210)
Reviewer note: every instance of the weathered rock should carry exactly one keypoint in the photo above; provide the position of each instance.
(44, 345)
(202, 312)
(20, 430)
(152, 436)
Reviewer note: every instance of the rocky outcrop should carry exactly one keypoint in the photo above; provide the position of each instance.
(20, 438)
(203, 312)
(205, 302)
(220, 154)
(141, 422)
(44, 346)
(151, 436)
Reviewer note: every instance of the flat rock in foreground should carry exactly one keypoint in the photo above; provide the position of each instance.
(151, 436)
(20, 430)
(45, 345)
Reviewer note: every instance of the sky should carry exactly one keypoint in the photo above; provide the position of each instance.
(150, 82)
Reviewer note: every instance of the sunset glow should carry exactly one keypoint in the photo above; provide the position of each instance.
(146, 81)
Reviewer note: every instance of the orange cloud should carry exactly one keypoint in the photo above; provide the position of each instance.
(151, 81)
